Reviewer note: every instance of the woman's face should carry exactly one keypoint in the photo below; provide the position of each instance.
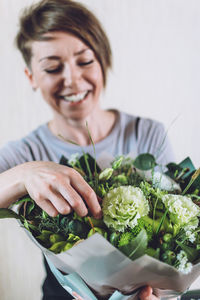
(68, 75)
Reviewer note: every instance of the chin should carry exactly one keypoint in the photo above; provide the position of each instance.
(78, 114)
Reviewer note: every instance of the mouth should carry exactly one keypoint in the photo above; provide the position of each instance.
(75, 98)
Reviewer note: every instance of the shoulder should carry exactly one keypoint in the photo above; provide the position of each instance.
(146, 135)
(151, 127)
(33, 140)
(140, 126)
(153, 138)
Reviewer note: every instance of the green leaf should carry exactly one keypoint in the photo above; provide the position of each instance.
(44, 236)
(30, 207)
(58, 247)
(54, 238)
(145, 161)
(30, 227)
(187, 164)
(72, 238)
(26, 198)
(192, 253)
(30, 204)
(161, 222)
(137, 246)
(8, 213)
(91, 163)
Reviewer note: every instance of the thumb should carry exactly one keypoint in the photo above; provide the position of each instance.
(147, 294)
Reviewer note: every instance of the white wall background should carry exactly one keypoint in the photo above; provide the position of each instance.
(156, 55)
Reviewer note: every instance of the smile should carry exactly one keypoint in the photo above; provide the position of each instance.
(75, 97)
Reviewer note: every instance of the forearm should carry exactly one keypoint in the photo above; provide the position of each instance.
(11, 186)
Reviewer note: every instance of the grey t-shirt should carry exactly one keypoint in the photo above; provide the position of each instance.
(127, 136)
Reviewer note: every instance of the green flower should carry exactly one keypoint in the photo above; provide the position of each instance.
(123, 206)
(182, 209)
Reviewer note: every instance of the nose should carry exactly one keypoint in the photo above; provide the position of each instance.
(71, 75)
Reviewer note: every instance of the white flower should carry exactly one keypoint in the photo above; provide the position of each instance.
(73, 159)
(184, 266)
(190, 230)
(185, 269)
(123, 206)
(160, 180)
(181, 208)
(191, 236)
(164, 182)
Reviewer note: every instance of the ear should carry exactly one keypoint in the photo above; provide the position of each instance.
(30, 77)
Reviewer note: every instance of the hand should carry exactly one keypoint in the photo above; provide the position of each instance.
(147, 294)
(77, 297)
(59, 189)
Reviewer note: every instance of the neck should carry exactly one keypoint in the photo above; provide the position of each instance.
(99, 125)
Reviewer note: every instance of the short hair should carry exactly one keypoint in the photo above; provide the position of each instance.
(67, 16)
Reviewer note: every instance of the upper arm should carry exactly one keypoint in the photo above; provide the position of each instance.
(13, 154)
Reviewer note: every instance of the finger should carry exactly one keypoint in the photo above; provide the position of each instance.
(61, 205)
(74, 200)
(87, 193)
(47, 206)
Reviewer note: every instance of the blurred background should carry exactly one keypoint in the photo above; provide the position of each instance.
(156, 68)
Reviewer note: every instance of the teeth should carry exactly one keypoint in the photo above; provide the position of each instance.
(75, 98)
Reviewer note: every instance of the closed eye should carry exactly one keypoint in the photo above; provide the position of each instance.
(54, 70)
(86, 63)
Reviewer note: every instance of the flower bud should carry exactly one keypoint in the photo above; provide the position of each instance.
(167, 237)
(121, 179)
(106, 174)
(117, 163)
(97, 230)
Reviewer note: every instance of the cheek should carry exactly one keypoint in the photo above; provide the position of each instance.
(97, 77)
(48, 84)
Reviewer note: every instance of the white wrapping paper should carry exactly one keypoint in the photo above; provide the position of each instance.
(105, 269)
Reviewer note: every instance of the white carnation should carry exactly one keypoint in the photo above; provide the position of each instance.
(181, 208)
(123, 206)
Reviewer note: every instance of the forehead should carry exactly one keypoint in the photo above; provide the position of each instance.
(59, 44)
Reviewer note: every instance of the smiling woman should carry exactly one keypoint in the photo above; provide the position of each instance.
(70, 78)
(67, 56)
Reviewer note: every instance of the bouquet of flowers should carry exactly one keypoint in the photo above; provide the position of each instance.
(150, 217)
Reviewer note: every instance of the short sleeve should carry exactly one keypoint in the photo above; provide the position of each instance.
(152, 138)
(13, 154)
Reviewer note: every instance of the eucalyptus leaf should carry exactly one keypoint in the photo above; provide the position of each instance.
(8, 213)
(192, 253)
(145, 161)
(137, 246)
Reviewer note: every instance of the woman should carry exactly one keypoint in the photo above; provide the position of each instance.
(68, 55)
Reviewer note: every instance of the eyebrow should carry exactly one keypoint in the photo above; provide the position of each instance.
(54, 57)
